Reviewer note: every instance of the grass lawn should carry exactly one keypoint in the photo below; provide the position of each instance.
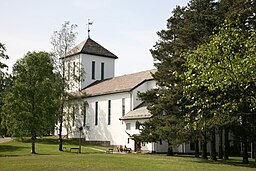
(16, 155)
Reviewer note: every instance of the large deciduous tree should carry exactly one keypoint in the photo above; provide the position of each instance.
(30, 107)
(226, 68)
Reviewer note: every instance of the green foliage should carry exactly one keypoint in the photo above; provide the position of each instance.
(4, 82)
(224, 70)
(64, 39)
(2, 56)
(188, 27)
(30, 107)
(219, 83)
(225, 65)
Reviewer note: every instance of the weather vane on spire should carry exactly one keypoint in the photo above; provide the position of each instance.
(89, 23)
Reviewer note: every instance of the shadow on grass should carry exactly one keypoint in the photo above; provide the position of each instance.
(9, 148)
(50, 141)
(5, 148)
(232, 162)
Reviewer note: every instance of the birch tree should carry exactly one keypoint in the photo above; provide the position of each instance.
(62, 42)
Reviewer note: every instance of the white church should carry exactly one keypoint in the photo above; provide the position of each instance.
(107, 107)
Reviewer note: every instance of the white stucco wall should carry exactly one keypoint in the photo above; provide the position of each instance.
(141, 88)
(74, 85)
(115, 132)
(84, 63)
(86, 60)
(145, 146)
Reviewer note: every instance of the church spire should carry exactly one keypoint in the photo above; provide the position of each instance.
(89, 23)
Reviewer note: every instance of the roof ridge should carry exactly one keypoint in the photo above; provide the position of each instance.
(119, 84)
(145, 71)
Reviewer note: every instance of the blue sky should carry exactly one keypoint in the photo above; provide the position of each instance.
(126, 28)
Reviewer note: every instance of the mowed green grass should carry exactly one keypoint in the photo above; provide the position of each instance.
(16, 155)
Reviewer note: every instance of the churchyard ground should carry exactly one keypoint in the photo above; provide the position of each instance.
(15, 155)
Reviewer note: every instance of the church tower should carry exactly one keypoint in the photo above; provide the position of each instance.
(89, 57)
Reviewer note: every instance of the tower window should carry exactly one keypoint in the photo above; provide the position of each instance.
(102, 71)
(93, 70)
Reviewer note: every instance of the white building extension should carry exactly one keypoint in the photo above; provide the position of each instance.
(112, 99)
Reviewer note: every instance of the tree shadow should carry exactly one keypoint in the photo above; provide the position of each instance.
(50, 141)
(5, 148)
(231, 162)
(9, 148)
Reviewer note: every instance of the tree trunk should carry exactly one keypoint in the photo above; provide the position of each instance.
(226, 144)
(33, 146)
(213, 145)
(170, 150)
(253, 153)
(197, 148)
(245, 141)
(204, 146)
(253, 150)
(62, 105)
(254, 139)
(220, 154)
(60, 132)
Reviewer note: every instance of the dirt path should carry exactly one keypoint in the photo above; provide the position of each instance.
(6, 139)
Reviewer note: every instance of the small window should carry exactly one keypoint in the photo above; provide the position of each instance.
(68, 71)
(73, 115)
(84, 114)
(123, 106)
(192, 146)
(74, 69)
(160, 142)
(137, 125)
(128, 126)
(93, 70)
(128, 141)
(109, 112)
(96, 113)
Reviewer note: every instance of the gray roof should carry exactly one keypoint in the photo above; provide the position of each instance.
(123, 83)
(90, 47)
(139, 113)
